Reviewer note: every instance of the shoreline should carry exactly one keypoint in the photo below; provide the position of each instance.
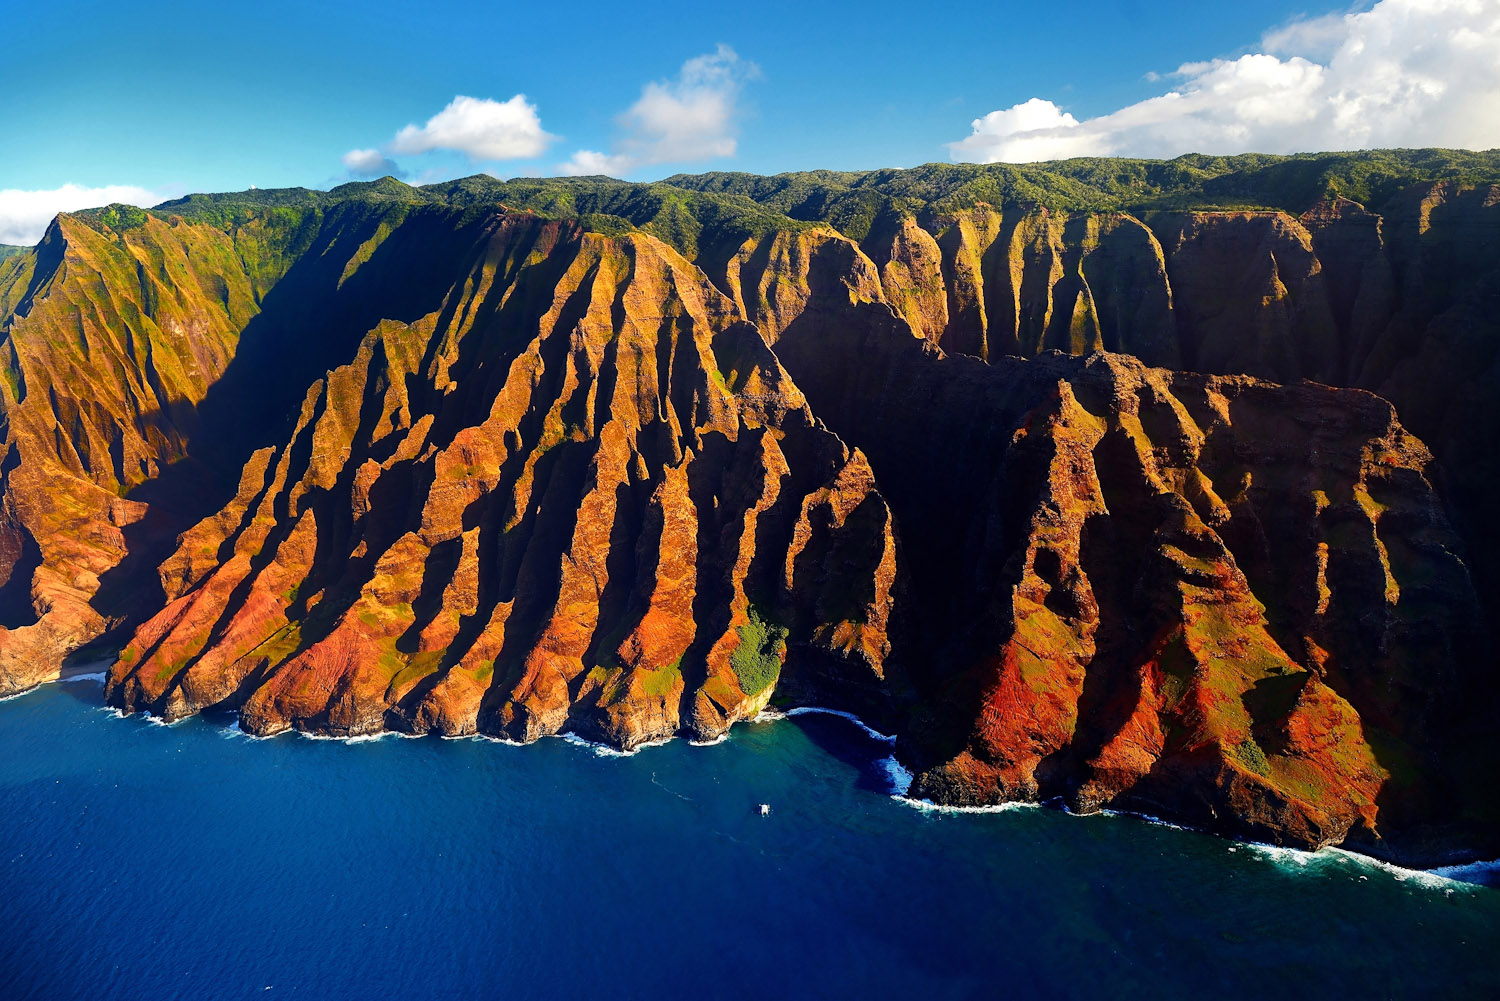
(896, 773)
(88, 671)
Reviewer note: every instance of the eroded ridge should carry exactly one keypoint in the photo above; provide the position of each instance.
(581, 495)
(1208, 597)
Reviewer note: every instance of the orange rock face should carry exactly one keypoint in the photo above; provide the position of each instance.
(389, 465)
(566, 499)
(98, 395)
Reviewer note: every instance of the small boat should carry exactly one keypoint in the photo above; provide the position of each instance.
(765, 809)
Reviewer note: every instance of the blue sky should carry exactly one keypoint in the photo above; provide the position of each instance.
(164, 98)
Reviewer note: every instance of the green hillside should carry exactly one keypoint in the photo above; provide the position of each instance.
(701, 211)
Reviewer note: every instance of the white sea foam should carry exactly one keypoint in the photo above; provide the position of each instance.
(1284, 857)
(882, 737)
(1300, 859)
(1473, 872)
(1445, 878)
(358, 738)
(928, 806)
(487, 737)
(1442, 878)
(1292, 859)
(1136, 816)
(370, 738)
(93, 676)
(896, 773)
(155, 720)
(307, 735)
(1295, 859)
(605, 751)
(899, 775)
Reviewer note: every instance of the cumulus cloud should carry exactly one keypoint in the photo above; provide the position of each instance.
(369, 163)
(24, 215)
(481, 129)
(478, 127)
(1035, 130)
(690, 118)
(1404, 73)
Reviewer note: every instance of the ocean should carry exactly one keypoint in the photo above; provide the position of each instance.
(146, 861)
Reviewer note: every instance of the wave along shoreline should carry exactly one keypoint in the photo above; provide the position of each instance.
(1467, 874)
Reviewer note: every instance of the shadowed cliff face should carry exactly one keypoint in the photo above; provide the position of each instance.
(1401, 301)
(582, 493)
(385, 464)
(1212, 597)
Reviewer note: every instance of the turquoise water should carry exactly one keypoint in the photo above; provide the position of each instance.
(143, 861)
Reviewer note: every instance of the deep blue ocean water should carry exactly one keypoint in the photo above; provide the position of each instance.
(144, 861)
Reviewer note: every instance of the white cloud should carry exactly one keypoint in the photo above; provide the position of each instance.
(690, 118)
(24, 215)
(369, 163)
(1035, 130)
(587, 161)
(1311, 37)
(480, 128)
(1404, 73)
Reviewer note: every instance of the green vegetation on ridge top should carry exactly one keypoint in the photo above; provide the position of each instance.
(710, 215)
(693, 222)
(1194, 181)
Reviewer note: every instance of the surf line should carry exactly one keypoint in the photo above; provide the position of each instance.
(900, 779)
